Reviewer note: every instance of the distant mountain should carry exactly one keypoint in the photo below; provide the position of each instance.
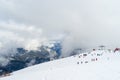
(23, 58)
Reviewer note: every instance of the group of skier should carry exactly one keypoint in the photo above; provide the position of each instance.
(93, 56)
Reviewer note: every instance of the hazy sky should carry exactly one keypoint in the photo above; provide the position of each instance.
(85, 23)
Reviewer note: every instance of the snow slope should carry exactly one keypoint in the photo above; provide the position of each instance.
(97, 65)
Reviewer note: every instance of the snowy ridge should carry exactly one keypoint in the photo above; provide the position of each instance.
(95, 65)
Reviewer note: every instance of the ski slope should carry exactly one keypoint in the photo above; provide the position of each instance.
(97, 65)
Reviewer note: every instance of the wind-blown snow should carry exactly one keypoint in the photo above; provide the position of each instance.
(97, 65)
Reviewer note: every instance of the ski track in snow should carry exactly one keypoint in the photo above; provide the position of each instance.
(97, 65)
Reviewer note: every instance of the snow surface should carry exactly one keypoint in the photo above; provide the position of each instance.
(97, 65)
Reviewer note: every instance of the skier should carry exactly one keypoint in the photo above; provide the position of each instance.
(81, 62)
(96, 59)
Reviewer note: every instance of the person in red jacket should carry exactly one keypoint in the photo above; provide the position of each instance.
(117, 49)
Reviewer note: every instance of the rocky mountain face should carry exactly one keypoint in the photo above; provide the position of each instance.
(24, 58)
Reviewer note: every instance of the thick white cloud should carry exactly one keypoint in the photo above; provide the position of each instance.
(13, 35)
(87, 23)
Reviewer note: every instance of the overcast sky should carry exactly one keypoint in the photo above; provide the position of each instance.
(85, 23)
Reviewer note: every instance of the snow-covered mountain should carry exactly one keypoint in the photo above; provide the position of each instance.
(23, 58)
(94, 65)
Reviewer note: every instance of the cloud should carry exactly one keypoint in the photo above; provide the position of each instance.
(84, 24)
(14, 35)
